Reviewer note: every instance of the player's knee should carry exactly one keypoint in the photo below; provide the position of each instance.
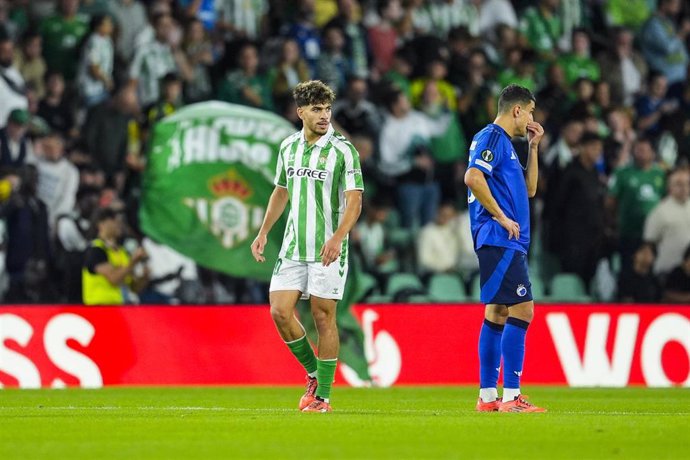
(523, 311)
(323, 317)
(280, 315)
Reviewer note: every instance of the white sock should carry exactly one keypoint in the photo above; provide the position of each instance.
(488, 394)
(312, 374)
(509, 394)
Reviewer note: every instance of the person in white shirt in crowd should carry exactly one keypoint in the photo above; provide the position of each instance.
(406, 160)
(95, 74)
(437, 245)
(468, 264)
(130, 16)
(369, 236)
(12, 91)
(154, 60)
(668, 224)
(58, 178)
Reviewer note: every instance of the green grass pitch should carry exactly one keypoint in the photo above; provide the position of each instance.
(404, 422)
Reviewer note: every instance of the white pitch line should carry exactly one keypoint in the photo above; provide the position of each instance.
(285, 410)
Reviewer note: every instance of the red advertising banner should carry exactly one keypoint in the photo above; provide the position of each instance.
(577, 345)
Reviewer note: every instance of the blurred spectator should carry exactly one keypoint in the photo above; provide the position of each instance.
(16, 149)
(8, 27)
(130, 17)
(625, 69)
(405, 158)
(355, 113)
(155, 59)
(356, 42)
(370, 238)
(291, 70)
(582, 102)
(437, 244)
(238, 19)
(105, 133)
(204, 11)
(477, 104)
(95, 75)
(169, 102)
(305, 33)
(579, 63)
(55, 109)
(199, 52)
(72, 239)
(92, 8)
(30, 63)
(639, 284)
(246, 85)
(496, 12)
(543, 27)
(28, 247)
(559, 156)
(663, 43)
(578, 217)
(622, 136)
(62, 34)
(519, 69)
(677, 287)
(436, 71)
(551, 97)
(12, 90)
(653, 106)
(107, 275)
(332, 66)
(447, 147)
(668, 224)
(634, 191)
(58, 178)
(468, 264)
(383, 37)
(400, 71)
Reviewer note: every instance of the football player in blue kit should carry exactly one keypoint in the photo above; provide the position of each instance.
(498, 196)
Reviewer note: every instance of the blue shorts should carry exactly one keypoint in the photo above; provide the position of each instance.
(503, 276)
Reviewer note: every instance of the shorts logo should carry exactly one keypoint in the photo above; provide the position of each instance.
(316, 174)
(487, 155)
(335, 291)
(521, 290)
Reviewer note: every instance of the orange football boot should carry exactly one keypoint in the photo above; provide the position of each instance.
(308, 396)
(487, 406)
(519, 404)
(318, 406)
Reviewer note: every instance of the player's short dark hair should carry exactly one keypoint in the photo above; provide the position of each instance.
(512, 95)
(313, 92)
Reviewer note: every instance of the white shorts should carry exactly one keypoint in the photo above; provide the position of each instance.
(310, 278)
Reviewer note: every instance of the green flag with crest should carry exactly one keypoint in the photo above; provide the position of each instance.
(207, 183)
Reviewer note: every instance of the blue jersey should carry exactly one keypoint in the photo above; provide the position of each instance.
(492, 153)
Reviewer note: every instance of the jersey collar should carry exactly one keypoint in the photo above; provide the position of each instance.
(323, 140)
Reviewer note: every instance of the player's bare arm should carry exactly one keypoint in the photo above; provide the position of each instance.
(535, 132)
(276, 206)
(476, 182)
(353, 207)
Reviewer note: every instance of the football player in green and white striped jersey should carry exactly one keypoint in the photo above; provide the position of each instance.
(319, 175)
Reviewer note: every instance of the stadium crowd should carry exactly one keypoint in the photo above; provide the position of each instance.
(82, 83)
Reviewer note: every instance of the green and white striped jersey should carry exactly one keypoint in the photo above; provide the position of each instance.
(317, 178)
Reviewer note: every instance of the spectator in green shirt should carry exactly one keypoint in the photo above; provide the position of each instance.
(579, 63)
(542, 27)
(62, 34)
(246, 85)
(634, 191)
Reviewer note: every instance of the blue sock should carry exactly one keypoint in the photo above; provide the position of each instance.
(513, 350)
(489, 354)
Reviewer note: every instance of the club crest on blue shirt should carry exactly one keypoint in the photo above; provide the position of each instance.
(521, 290)
(487, 155)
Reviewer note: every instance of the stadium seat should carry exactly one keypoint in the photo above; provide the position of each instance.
(567, 287)
(476, 290)
(418, 298)
(379, 299)
(444, 287)
(538, 292)
(366, 283)
(404, 284)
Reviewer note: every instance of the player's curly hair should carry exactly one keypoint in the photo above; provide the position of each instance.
(313, 92)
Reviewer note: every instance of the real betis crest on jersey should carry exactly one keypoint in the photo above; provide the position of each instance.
(208, 181)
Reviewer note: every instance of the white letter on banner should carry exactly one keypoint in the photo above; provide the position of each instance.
(12, 327)
(595, 369)
(62, 328)
(664, 329)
